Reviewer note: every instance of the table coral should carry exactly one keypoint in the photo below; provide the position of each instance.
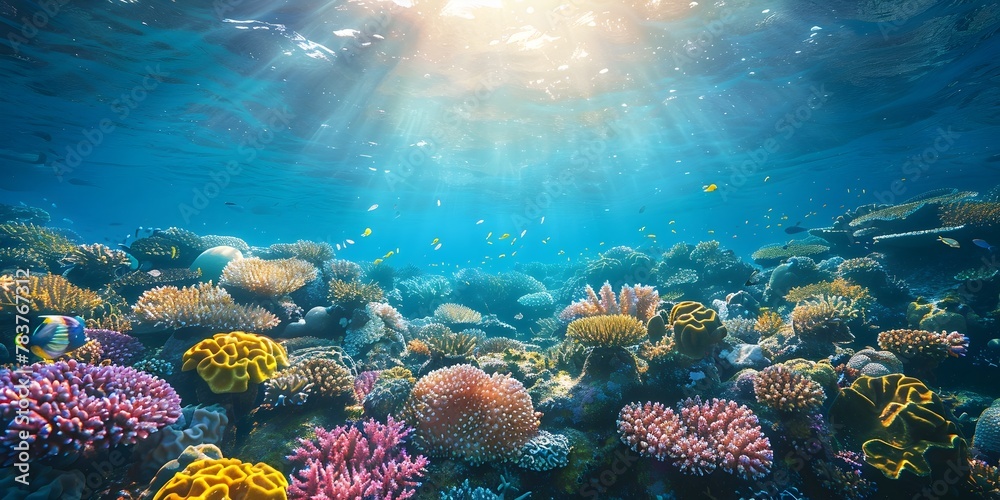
(268, 278)
(200, 305)
(230, 361)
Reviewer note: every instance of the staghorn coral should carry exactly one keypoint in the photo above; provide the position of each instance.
(900, 424)
(225, 478)
(95, 265)
(697, 329)
(770, 255)
(770, 323)
(456, 313)
(75, 408)
(923, 348)
(331, 379)
(228, 362)
(49, 294)
(201, 305)
(309, 251)
(616, 330)
(638, 300)
(268, 278)
(348, 462)
(979, 214)
(824, 319)
(785, 390)
(353, 294)
(463, 413)
(717, 434)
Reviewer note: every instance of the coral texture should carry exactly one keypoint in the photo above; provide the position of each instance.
(268, 278)
(786, 390)
(200, 305)
(230, 361)
(225, 478)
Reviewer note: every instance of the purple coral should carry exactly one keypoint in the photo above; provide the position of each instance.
(347, 462)
(69, 407)
(121, 349)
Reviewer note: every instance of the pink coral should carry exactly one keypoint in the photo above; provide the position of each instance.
(639, 301)
(348, 463)
(75, 407)
(121, 349)
(718, 433)
(364, 383)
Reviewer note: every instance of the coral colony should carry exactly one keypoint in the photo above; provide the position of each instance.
(212, 368)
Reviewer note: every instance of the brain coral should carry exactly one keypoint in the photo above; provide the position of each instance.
(227, 478)
(463, 413)
(616, 330)
(987, 437)
(697, 329)
(875, 363)
(229, 361)
(71, 407)
(900, 424)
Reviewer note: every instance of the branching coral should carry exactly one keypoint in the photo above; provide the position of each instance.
(353, 294)
(49, 294)
(770, 323)
(31, 246)
(201, 305)
(230, 361)
(456, 313)
(903, 210)
(343, 270)
(617, 330)
(856, 294)
(772, 254)
(638, 300)
(923, 348)
(450, 344)
(309, 251)
(972, 213)
(268, 278)
(463, 413)
(824, 319)
(788, 391)
(323, 378)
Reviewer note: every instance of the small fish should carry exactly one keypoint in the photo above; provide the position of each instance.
(56, 336)
(439, 203)
(709, 188)
(388, 254)
(338, 246)
(542, 221)
(641, 229)
(983, 244)
(949, 241)
(642, 209)
(377, 261)
(489, 234)
(503, 236)
(367, 233)
(437, 247)
(373, 207)
(435, 240)
(502, 256)
(767, 178)
(67, 220)
(349, 242)
(651, 235)
(753, 279)
(480, 221)
(232, 204)
(672, 222)
(523, 233)
(154, 273)
(173, 252)
(519, 316)
(797, 228)
(561, 252)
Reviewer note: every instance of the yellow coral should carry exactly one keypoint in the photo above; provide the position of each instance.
(769, 323)
(397, 372)
(456, 313)
(921, 347)
(839, 287)
(614, 330)
(353, 294)
(972, 213)
(229, 361)
(697, 329)
(451, 344)
(269, 278)
(28, 245)
(225, 478)
(200, 305)
(418, 347)
(114, 321)
(49, 294)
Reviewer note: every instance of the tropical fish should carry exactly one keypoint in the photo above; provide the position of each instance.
(651, 235)
(56, 336)
(561, 252)
(367, 233)
(173, 252)
(949, 241)
(542, 221)
(388, 254)
(709, 188)
(434, 241)
(642, 209)
(523, 232)
(480, 221)
(349, 242)
(797, 228)
(437, 247)
(503, 236)
(489, 234)
(373, 207)
(983, 244)
(377, 261)
(753, 279)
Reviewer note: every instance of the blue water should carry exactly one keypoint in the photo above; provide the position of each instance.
(601, 117)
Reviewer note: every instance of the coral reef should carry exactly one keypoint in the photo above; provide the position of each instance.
(201, 305)
(617, 330)
(27, 246)
(348, 462)
(923, 348)
(546, 451)
(268, 278)
(95, 265)
(875, 363)
(788, 391)
(49, 294)
(171, 247)
(463, 413)
(228, 362)
(71, 408)
(717, 434)
(119, 348)
(353, 294)
(225, 478)
(638, 301)
(309, 251)
(697, 329)
(450, 313)
(824, 319)
(197, 425)
(770, 255)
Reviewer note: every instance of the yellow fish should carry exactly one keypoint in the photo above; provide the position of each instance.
(709, 188)
(390, 254)
(378, 261)
(504, 236)
(368, 232)
(434, 241)
(502, 256)
(173, 252)
(651, 236)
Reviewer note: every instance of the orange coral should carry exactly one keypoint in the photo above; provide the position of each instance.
(787, 390)
(638, 300)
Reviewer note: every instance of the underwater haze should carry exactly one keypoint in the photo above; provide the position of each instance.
(577, 248)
